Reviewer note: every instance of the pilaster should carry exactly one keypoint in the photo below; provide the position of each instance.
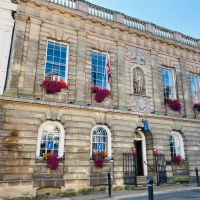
(80, 69)
(187, 96)
(29, 58)
(122, 96)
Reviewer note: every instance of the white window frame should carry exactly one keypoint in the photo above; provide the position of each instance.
(178, 141)
(174, 97)
(195, 97)
(108, 137)
(61, 137)
(67, 57)
(144, 150)
(103, 53)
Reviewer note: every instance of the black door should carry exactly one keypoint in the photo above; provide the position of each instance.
(138, 146)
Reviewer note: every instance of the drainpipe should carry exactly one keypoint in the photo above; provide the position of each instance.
(13, 13)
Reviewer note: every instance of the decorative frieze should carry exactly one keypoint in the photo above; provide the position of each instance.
(141, 104)
(139, 56)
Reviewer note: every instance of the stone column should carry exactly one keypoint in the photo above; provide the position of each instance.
(6, 29)
(80, 70)
(122, 96)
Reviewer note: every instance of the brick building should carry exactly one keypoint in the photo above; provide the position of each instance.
(154, 81)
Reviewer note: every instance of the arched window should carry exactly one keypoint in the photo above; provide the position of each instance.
(176, 144)
(50, 138)
(100, 140)
(138, 81)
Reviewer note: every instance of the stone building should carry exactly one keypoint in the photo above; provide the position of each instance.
(148, 97)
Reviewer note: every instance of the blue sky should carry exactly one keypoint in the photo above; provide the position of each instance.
(178, 15)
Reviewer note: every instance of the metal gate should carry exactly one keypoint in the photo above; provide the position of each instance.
(129, 169)
(161, 168)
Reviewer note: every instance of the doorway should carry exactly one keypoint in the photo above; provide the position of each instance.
(138, 146)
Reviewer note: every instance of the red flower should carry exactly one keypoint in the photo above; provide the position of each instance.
(197, 106)
(53, 87)
(99, 162)
(99, 158)
(174, 104)
(177, 159)
(101, 94)
(52, 161)
(94, 89)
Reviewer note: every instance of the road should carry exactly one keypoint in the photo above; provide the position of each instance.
(181, 195)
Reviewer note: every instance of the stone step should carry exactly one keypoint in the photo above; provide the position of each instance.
(141, 180)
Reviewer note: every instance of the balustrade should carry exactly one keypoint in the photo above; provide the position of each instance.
(163, 32)
(127, 21)
(189, 40)
(100, 12)
(135, 23)
(66, 3)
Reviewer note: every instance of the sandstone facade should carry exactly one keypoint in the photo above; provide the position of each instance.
(24, 106)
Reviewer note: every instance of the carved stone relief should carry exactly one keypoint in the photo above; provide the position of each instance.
(139, 56)
(140, 104)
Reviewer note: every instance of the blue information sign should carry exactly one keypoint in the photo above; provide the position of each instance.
(50, 145)
(100, 147)
(146, 126)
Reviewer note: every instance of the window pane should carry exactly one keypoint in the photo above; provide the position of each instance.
(99, 140)
(56, 56)
(50, 142)
(168, 83)
(99, 75)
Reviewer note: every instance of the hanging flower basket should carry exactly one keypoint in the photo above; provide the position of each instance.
(197, 106)
(52, 160)
(177, 160)
(100, 94)
(53, 87)
(99, 158)
(174, 104)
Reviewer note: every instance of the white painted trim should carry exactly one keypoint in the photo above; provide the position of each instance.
(6, 29)
(180, 141)
(144, 151)
(8, 5)
(109, 139)
(61, 138)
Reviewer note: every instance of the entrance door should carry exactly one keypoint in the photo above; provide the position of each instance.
(138, 146)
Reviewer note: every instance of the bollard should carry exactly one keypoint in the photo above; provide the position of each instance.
(150, 187)
(109, 184)
(197, 176)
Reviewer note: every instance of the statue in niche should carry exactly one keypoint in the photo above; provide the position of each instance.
(138, 81)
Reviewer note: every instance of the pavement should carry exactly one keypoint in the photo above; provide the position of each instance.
(139, 192)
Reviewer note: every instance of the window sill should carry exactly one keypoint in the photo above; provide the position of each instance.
(41, 160)
(105, 160)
